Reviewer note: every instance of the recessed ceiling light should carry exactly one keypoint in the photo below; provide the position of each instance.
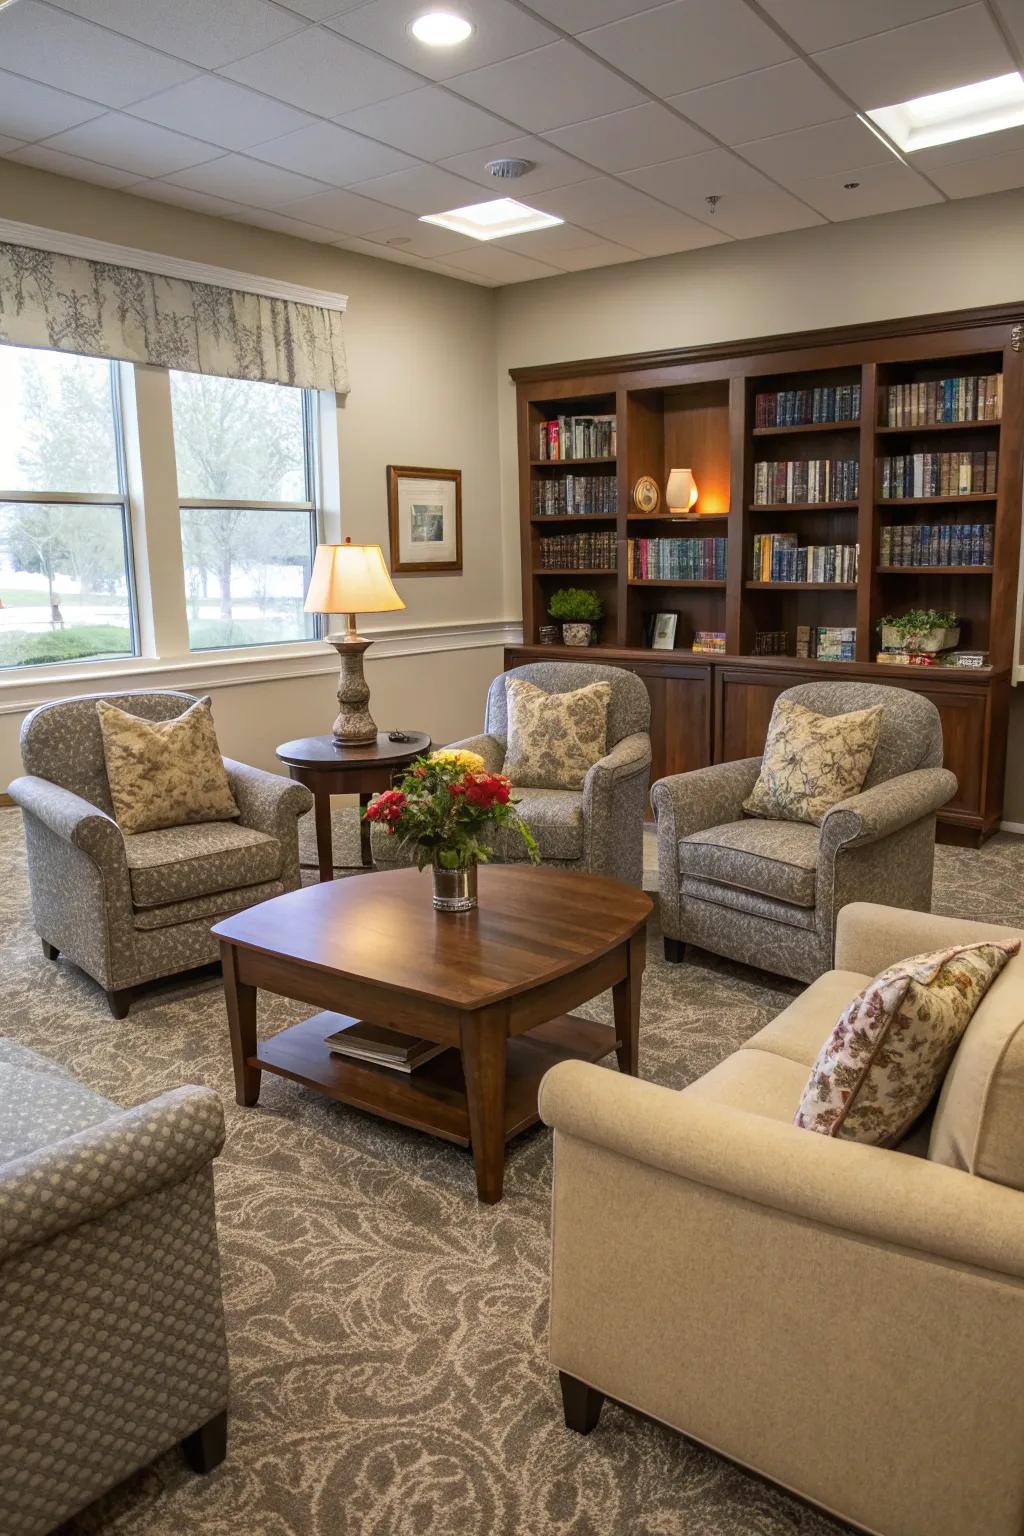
(492, 221)
(441, 29)
(963, 113)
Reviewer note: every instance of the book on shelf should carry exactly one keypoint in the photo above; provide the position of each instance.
(676, 559)
(931, 402)
(903, 658)
(771, 642)
(800, 480)
(579, 551)
(939, 474)
(908, 544)
(835, 643)
(575, 495)
(577, 437)
(378, 1047)
(803, 641)
(780, 557)
(807, 407)
(709, 642)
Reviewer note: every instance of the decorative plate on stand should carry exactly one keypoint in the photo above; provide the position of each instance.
(646, 494)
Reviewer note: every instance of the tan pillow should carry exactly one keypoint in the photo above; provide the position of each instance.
(886, 1058)
(164, 773)
(812, 761)
(553, 738)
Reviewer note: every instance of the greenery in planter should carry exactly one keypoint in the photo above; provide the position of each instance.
(919, 621)
(575, 605)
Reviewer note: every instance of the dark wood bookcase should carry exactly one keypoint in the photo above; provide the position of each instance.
(696, 408)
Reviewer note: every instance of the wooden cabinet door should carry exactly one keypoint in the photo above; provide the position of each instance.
(680, 717)
(743, 707)
(963, 718)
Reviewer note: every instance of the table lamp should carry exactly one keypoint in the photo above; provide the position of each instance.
(351, 578)
(680, 491)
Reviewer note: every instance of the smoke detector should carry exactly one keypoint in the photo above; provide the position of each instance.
(509, 170)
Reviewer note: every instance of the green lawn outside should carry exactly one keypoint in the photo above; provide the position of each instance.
(18, 649)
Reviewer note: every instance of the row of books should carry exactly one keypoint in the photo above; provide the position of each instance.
(709, 642)
(936, 544)
(676, 559)
(805, 407)
(778, 557)
(797, 480)
(827, 642)
(579, 551)
(575, 496)
(971, 398)
(577, 437)
(771, 642)
(940, 474)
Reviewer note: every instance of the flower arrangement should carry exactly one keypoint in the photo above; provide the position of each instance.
(444, 805)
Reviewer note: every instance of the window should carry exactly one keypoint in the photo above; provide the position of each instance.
(245, 456)
(65, 556)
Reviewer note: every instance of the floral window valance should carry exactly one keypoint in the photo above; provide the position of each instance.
(73, 304)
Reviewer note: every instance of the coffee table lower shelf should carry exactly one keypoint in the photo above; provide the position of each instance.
(433, 1098)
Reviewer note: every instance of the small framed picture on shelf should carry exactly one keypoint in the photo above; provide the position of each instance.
(663, 632)
(424, 520)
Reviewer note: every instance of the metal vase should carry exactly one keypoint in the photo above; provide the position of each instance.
(454, 889)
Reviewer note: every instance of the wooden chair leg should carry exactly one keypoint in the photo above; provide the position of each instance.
(675, 951)
(582, 1404)
(119, 1000)
(50, 951)
(206, 1447)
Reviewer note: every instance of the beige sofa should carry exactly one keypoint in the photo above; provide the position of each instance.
(846, 1320)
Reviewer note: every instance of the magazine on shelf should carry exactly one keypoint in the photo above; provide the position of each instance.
(369, 1043)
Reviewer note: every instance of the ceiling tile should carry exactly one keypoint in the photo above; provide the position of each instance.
(689, 43)
(32, 111)
(767, 101)
(334, 155)
(972, 178)
(322, 72)
(1011, 13)
(818, 24)
(194, 29)
(500, 31)
(401, 258)
(320, 10)
(551, 167)
(881, 189)
(581, 15)
(130, 145)
(747, 215)
(424, 189)
(621, 141)
(835, 146)
(686, 183)
(936, 54)
(551, 244)
(185, 197)
(502, 266)
(429, 123)
(6, 144)
(263, 218)
(343, 212)
(604, 254)
(548, 88)
(62, 50)
(246, 181)
(406, 233)
(221, 112)
(45, 159)
(616, 212)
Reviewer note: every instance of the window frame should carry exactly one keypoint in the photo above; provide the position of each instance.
(121, 499)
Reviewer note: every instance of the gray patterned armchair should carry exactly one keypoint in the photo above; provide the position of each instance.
(112, 1343)
(128, 908)
(767, 893)
(599, 829)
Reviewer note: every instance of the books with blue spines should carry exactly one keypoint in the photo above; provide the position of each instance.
(575, 495)
(778, 557)
(806, 407)
(975, 397)
(921, 475)
(795, 481)
(940, 544)
(676, 559)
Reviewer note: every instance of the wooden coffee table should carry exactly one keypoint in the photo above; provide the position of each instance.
(495, 984)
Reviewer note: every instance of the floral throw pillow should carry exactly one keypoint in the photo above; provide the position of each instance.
(885, 1060)
(553, 738)
(164, 773)
(812, 761)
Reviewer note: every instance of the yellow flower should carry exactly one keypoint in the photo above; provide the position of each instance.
(468, 762)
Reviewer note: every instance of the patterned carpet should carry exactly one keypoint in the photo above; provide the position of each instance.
(387, 1332)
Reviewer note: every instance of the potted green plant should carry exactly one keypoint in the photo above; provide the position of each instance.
(578, 610)
(922, 629)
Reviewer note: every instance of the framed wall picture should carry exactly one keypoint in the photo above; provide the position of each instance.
(663, 637)
(424, 519)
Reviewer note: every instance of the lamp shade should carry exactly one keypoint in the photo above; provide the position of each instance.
(350, 578)
(681, 490)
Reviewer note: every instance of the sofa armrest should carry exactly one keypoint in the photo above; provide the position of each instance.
(488, 747)
(870, 937)
(133, 1153)
(705, 797)
(70, 817)
(629, 756)
(887, 807)
(866, 1192)
(263, 798)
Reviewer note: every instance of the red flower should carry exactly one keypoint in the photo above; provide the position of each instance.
(387, 808)
(455, 790)
(486, 790)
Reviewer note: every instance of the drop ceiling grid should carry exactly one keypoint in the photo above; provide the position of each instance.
(607, 51)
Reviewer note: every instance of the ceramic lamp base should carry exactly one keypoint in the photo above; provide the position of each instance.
(355, 726)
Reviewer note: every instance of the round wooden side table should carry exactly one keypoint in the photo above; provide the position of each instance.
(327, 768)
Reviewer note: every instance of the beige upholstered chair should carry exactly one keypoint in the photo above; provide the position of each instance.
(112, 1343)
(130, 908)
(847, 1320)
(767, 893)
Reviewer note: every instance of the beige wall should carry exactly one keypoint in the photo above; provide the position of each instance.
(945, 257)
(421, 355)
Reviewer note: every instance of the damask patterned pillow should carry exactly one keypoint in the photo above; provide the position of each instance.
(553, 738)
(164, 773)
(886, 1058)
(812, 761)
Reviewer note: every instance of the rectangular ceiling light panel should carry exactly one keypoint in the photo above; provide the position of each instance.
(493, 220)
(964, 113)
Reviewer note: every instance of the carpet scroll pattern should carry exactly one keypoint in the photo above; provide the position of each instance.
(387, 1332)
